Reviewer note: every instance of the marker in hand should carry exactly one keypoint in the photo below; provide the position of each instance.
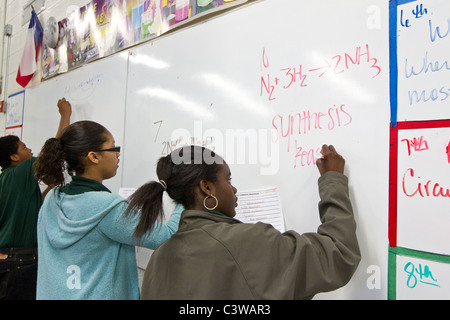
(330, 161)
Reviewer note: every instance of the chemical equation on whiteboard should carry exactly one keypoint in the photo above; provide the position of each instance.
(299, 76)
(169, 146)
(420, 274)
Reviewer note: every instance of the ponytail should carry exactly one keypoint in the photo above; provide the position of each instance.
(178, 178)
(148, 200)
(70, 149)
(49, 166)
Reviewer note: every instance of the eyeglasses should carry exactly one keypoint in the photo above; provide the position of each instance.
(115, 149)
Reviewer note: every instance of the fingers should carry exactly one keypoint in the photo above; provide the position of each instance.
(328, 150)
(331, 161)
(64, 107)
(62, 101)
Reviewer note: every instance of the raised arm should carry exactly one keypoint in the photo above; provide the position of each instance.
(298, 266)
(65, 110)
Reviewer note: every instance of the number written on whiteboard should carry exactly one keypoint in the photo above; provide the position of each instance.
(421, 274)
(406, 17)
(417, 144)
(159, 128)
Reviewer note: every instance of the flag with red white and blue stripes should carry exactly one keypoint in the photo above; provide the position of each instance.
(33, 44)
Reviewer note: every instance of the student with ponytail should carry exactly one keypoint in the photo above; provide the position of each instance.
(85, 241)
(214, 256)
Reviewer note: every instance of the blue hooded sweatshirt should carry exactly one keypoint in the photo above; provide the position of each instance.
(86, 248)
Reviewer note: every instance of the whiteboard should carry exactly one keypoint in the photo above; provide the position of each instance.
(231, 84)
(96, 92)
(423, 46)
(14, 113)
(423, 185)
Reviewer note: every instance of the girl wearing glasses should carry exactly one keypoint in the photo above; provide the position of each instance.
(86, 244)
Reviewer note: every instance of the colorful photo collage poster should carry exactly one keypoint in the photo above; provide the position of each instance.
(103, 27)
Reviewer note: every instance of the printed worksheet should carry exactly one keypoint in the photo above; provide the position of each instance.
(261, 205)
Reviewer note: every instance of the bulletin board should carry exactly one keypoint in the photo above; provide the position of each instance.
(420, 150)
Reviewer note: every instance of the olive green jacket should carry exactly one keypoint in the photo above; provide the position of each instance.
(216, 257)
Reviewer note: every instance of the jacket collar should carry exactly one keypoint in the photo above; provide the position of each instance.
(194, 219)
(80, 185)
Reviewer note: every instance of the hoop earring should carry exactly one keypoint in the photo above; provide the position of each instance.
(211, 209)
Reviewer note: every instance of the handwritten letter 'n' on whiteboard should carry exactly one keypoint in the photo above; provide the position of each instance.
(423, 50)
(423, 186)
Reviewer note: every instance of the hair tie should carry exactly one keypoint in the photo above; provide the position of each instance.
(164, 184)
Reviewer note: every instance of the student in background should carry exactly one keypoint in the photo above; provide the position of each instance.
(213, 256)
(20, 201)
(85, 243)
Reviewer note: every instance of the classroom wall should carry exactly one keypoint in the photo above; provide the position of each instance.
(2, 124)
(14, 10)
(11, 13)
(374, 257)
(2, 23)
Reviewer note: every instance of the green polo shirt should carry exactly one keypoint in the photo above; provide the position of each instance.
(20, 201)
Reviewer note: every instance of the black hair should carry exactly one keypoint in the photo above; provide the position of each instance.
(76, 141)
(8, 147)
(181, 171)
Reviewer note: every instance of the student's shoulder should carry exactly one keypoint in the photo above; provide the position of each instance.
(95, 200)
(242, 232)
(27, 164)
(25, 171)
(104, 196)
